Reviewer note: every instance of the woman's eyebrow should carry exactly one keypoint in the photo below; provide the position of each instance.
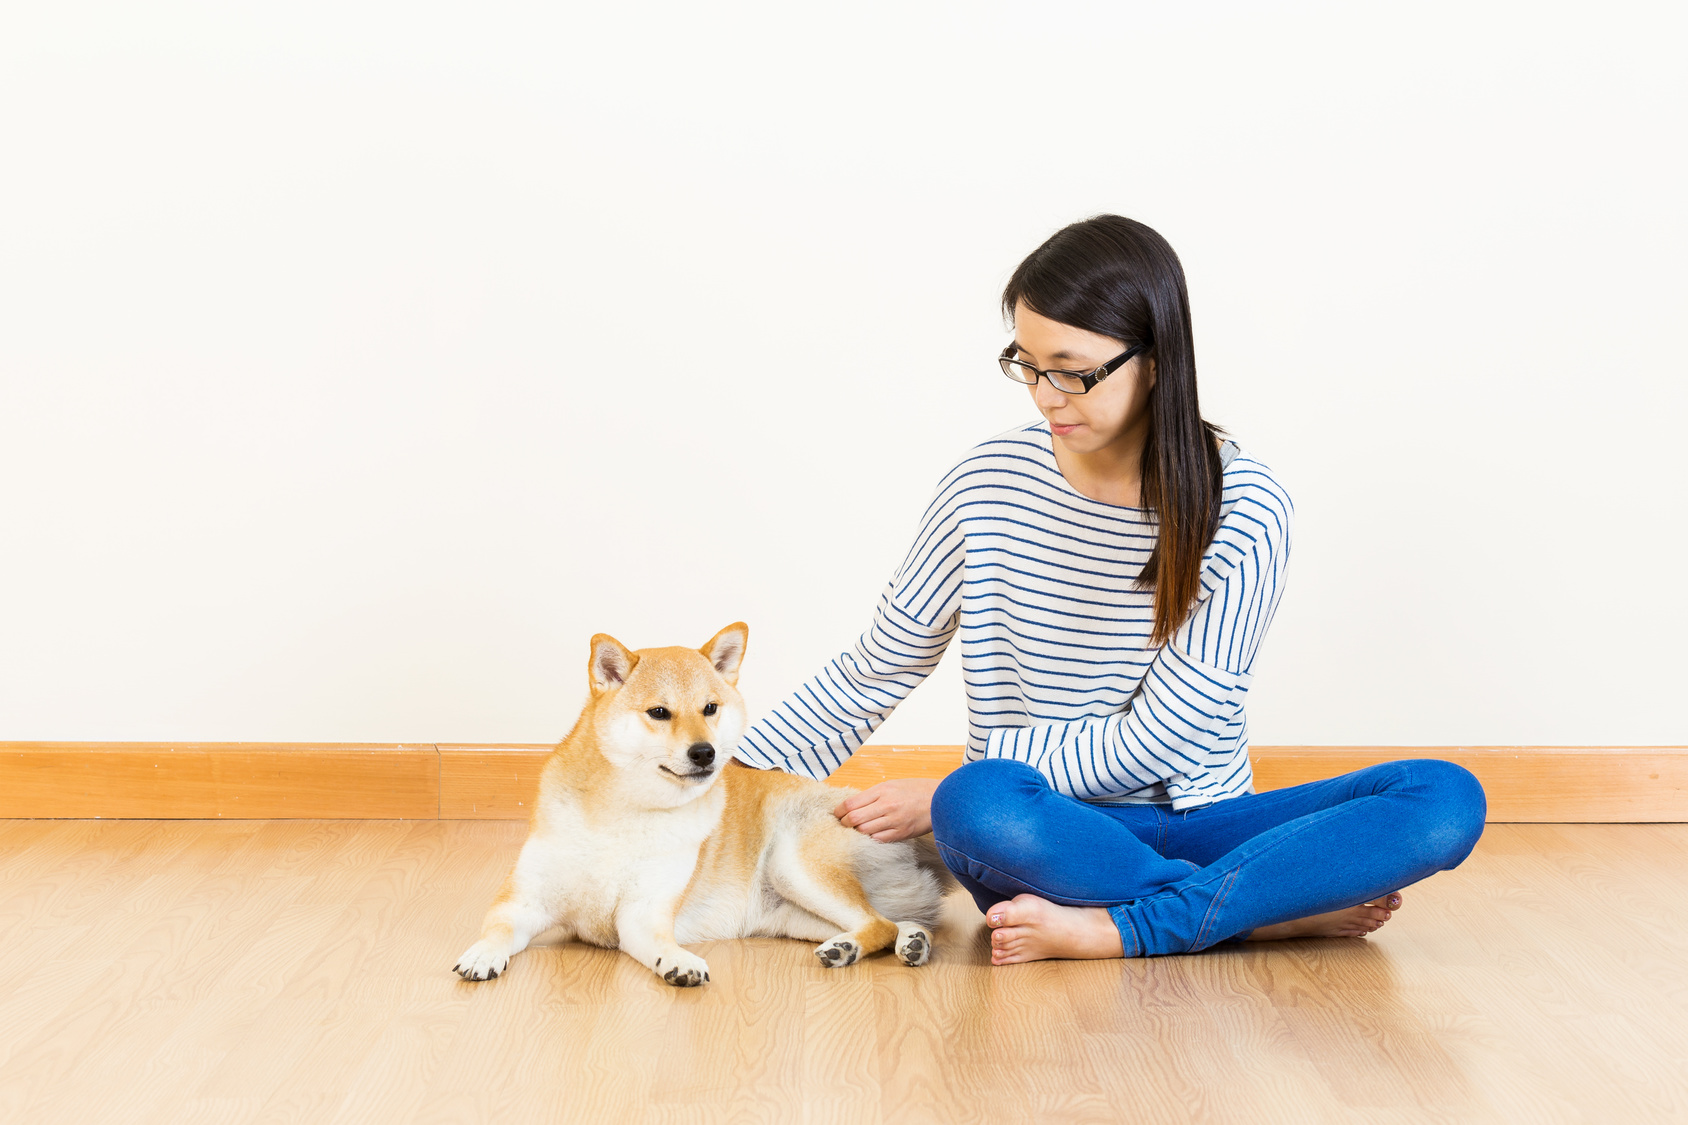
(1052, 355)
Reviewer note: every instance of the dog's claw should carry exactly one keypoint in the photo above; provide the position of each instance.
(684, 978)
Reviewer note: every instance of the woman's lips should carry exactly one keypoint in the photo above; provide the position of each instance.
(1059, 430)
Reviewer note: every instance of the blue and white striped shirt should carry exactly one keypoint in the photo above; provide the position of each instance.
(1040, 583)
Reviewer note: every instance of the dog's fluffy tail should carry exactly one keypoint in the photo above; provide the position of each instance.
(906, 881)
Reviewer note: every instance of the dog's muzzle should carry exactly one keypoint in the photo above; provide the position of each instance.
(691, 775)
(701, 755)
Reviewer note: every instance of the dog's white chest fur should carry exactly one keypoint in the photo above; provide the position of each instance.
(597, 868)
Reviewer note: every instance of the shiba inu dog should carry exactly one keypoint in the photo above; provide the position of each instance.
(646, 835)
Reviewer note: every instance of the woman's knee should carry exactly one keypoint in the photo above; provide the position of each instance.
(1460, 810)
(983, 806)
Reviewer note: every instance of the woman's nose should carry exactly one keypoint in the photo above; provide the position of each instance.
(1047, 397)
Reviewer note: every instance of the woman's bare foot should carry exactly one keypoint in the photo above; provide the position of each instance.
(1356, 921)
(1029, 928)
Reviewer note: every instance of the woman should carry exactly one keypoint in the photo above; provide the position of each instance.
(1111, 571)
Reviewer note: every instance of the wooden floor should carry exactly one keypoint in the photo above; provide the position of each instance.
(299, 971)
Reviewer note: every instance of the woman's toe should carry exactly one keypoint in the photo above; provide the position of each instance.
(1022, 910)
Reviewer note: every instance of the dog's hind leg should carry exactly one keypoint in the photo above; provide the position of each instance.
(816, 873)
(517, 916)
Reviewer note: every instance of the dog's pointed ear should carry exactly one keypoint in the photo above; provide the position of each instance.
(610, 664)
(725, 650)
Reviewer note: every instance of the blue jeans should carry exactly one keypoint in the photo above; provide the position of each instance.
(1177, 882)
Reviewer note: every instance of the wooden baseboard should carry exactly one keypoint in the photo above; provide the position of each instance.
(427, 781)
(211, 780)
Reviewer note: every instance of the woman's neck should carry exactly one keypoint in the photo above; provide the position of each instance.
(1112, 474)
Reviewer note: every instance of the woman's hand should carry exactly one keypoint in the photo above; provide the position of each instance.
(891, 810)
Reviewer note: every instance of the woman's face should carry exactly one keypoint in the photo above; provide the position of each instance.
(1113, 408)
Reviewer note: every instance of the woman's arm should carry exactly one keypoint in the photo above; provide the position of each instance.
(1177, 725)
(827, 719)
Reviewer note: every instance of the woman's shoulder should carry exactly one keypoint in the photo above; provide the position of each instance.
(1254, 502)
(1020, 452)
(1028, 440)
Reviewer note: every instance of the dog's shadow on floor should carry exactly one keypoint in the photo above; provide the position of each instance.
(961, 938)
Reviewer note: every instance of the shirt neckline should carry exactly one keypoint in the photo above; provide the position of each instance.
(1047, 445)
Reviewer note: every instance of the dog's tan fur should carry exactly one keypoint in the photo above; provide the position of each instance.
(634, 844)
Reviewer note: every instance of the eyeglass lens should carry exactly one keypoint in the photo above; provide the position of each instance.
(1027, 374)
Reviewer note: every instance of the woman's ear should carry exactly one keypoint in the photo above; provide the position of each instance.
(610, 663)
(725, 650)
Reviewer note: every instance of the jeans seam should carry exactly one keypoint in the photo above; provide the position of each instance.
(1122, 924)
(1214, 906)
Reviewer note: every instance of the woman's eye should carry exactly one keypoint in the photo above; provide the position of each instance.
(658, 712)
(709, 708)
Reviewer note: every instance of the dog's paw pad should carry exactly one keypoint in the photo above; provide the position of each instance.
(914, 946)
(838, 952)
(683, 978)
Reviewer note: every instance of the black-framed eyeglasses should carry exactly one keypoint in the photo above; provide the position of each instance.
(1067, 382)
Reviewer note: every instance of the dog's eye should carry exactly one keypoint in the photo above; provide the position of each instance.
(710, 708)
(658, 712)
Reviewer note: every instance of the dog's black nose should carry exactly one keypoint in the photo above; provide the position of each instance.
(701, 754)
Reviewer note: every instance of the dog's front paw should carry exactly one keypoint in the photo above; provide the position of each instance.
(481, 961)
(838, 952)
(914, 945)
(682, 969)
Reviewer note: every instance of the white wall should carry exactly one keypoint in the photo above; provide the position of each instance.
(361, 360)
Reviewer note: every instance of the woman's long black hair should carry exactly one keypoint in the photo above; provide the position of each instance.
(1116, 277)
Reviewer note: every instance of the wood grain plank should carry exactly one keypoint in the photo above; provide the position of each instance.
(117, 980)
(180, 961)
(76, 916)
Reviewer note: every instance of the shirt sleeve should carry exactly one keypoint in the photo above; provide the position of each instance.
(1184, 722)
(829, 717)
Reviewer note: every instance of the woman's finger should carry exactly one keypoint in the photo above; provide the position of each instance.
(864, 813)
(860, 800)
(850, 806)
(876, 824)
(853, 801)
